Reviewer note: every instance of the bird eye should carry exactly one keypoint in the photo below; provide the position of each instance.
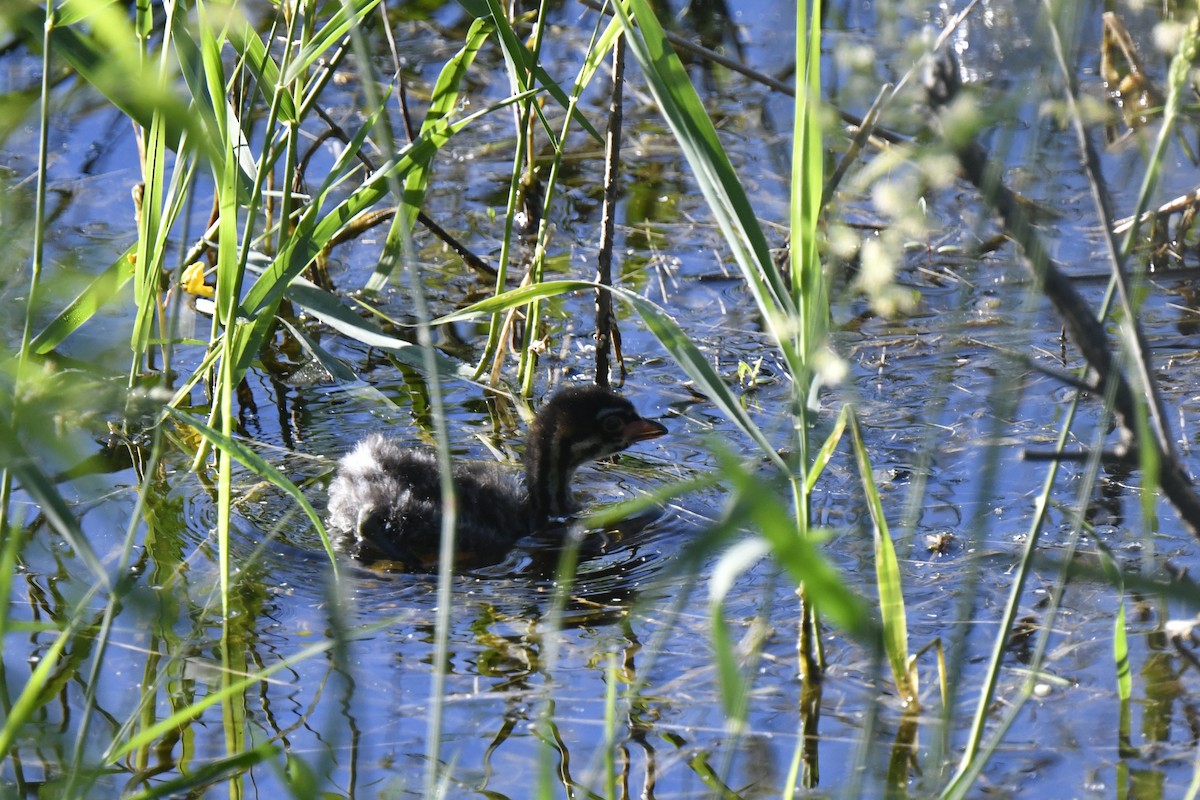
(611, 424)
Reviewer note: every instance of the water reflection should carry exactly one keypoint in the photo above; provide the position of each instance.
(503, 694)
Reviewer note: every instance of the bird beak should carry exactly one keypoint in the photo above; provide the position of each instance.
(642, 429)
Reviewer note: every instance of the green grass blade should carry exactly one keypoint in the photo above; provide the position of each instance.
(647, 499)
(148, 264)
(797, 554)
(596, 55)
(349, 14)
(887, 576)
(513, 298)
(245, 40)
(672, 89)
(103, 289)
(700, 369)
(444, 100)
(331, 311)
(193, 69)
(442, 104)
(205, 775)
(821, 460)
(808, 274)
(732, 685)
(338, 369)
(32, 697)
(230, 273)
(1120, 635)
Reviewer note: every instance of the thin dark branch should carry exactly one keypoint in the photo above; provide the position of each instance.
(1078, 454)
(397, 71)
(605, 323)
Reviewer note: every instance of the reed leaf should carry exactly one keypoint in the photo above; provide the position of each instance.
(151, 238)
(338, 369)
(1120, 636)
(798, 555)
(253, 52)
(204, 775)
(734, 688)
(612, 676)
(526, 70)
(103, 290)
(331, 311)
(808, 273)
(230, 270)
(349, 14)
(32, 697)
(230, 273)
(185, 46)
(514, 298)
(234, 702)
(596, 55)
(225, 115)
(697, 137)
(887, 578)
(441, 105)
(826, 450)
(647, 499)
(700, 369)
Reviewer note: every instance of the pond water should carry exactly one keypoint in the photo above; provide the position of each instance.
(945, 413)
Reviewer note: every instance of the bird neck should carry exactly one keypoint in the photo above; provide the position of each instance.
(548, 472)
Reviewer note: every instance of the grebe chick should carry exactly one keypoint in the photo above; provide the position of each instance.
(385, 502)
